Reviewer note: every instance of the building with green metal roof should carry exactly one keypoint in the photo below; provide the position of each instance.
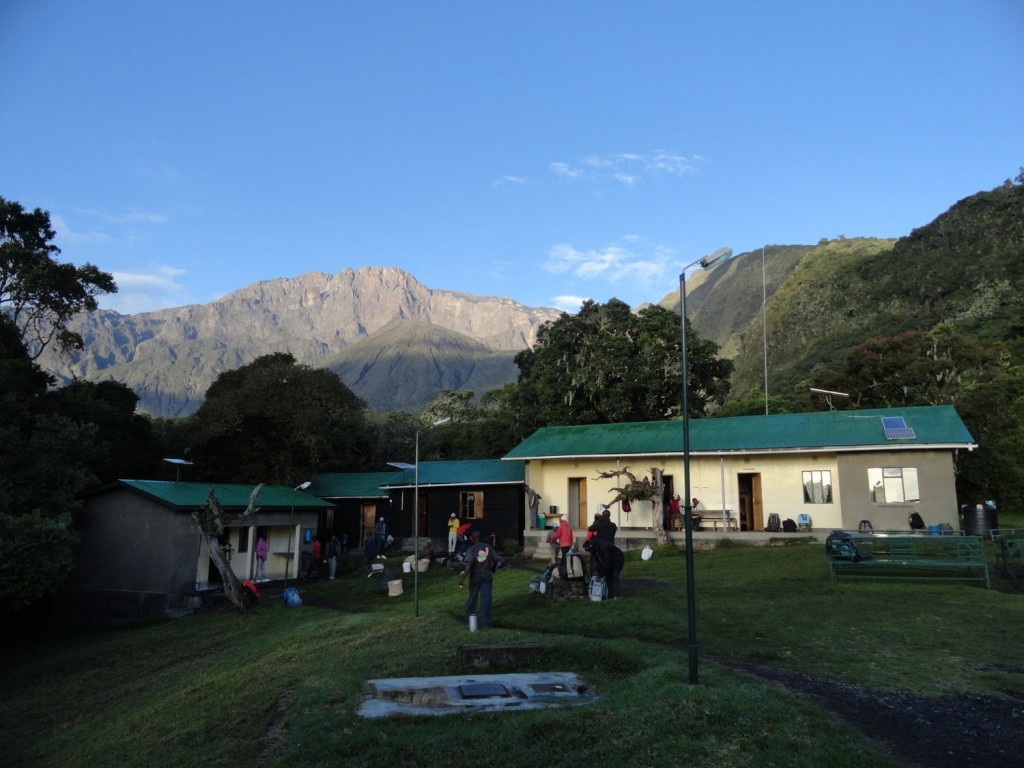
(141, 551)
(358, 500)
(829, 469)
(488, 493)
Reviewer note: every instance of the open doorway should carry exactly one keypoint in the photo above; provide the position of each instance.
(578, 502)
(751, 502)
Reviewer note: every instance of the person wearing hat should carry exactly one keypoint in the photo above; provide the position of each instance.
(453, 534)
(565, 536)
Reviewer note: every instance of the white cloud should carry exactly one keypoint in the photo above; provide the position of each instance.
(94, 227)
(627, 168)
(68, 236)
(505, 181)
(568, 303)
(632, 268)
(146, 291)
(566, 171)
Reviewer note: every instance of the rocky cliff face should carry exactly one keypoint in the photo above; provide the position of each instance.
(171, 356)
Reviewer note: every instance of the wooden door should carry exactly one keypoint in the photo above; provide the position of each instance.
(758, 502)
(577, 509)
(369, 523)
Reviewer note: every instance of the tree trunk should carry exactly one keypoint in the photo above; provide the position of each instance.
(233, 588)
(658, 500)
(210, 520)
(652, 490)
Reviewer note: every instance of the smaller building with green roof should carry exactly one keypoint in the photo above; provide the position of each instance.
(141, 551)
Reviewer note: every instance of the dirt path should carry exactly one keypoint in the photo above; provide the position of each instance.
(949, 731)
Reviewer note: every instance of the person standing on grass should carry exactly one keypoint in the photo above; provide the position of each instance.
(603, 528)
(333, 552)
(314, 561)
(453, 534)
(370, 552)
(565, 536)
(381, 532)
(261, 559)
(480, 569)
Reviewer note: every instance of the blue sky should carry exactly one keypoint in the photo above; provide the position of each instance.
(548, 151)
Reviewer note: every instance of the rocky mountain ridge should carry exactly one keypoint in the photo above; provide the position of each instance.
(171, 356)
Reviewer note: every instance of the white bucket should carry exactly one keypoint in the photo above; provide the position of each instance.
(407, 566)
(395, 588)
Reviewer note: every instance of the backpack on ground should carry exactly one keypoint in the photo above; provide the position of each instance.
(574, 567)
(774, 525)
(865, 527)
(789, 525)
(840, 546)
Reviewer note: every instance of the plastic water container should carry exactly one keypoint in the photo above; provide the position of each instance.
(472, 622)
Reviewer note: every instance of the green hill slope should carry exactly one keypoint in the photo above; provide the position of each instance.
(963, 272)
(404, 365)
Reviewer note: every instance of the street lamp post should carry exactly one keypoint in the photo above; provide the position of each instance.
(691, 594)
(764, 328)
(416, 520)
(291, 531)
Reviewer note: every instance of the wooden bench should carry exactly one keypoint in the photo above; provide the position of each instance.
(1009, 547)
(716, 519)
(912, 556)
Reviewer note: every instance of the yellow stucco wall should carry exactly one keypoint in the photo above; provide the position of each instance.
(716, 481)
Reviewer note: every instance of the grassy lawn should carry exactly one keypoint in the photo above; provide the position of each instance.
(281, 686)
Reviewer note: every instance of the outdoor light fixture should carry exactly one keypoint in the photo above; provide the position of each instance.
(829, 394)
(178, 464)
(691, 594)
(291, 530)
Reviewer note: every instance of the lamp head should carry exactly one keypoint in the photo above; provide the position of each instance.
(719, 255)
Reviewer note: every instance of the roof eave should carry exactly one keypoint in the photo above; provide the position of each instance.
(754, 450)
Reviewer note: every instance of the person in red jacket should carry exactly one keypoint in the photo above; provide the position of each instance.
(314, 561)
(565, 536)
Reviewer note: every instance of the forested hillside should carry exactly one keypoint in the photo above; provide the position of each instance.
(934, 317)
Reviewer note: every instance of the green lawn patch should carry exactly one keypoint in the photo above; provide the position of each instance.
(282, 686)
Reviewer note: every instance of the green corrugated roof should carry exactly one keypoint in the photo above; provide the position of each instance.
(935, 426)
(229, 495)
(352, 485)
(481, 472)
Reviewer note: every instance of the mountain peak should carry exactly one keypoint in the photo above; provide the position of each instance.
(171, 356)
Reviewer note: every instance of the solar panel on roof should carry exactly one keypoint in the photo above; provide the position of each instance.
(895, 428)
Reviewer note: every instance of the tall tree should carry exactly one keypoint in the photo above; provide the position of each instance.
(608, 364)
(276, 421)
(45, 460)
(40, 294)
(984, 379)
(130, 447)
